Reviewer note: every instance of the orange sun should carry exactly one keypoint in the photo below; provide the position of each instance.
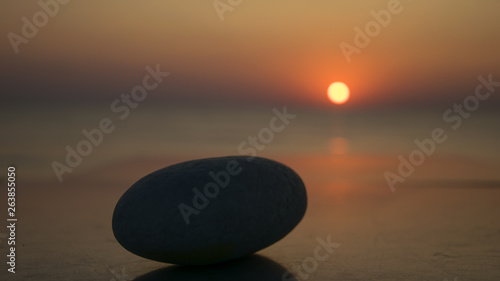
(338, 93)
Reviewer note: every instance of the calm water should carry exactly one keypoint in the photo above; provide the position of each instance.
(35, 136)
(412, 234)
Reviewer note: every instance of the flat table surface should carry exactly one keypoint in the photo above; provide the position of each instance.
(426, 230)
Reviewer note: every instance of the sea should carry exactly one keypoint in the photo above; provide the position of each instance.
(41, 140)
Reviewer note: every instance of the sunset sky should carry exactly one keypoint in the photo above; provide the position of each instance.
(262, 52)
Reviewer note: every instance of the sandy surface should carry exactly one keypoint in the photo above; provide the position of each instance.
(430, 228)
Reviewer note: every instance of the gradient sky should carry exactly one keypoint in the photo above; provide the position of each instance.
(265, 51)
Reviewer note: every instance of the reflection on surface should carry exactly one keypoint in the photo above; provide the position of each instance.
(339, 146)
(254, 267)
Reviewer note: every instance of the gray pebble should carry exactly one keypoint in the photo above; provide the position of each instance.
(209, 210)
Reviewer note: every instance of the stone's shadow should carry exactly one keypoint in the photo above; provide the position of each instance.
(254, 267)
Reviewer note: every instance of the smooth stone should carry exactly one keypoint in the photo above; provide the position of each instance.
(178, 215)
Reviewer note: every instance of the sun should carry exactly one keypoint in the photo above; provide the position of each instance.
(338, 93)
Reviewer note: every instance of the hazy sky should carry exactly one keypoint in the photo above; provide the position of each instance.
(262, 51)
